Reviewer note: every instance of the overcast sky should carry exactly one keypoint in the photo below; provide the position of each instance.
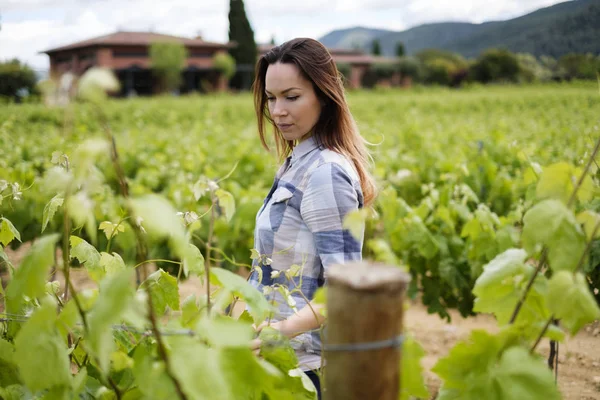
(30, 26)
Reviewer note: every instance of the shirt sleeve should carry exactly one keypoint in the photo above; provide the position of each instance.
(330, 195)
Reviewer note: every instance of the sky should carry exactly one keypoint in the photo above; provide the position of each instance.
(31, 26)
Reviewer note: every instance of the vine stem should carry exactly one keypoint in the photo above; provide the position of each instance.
(142, 253)
(141, 248)
(211, 227)
(579, 266)
(162, 350)
(544, 256)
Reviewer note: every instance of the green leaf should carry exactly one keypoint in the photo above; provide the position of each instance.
(116, 292)
(499, 288)
(484, 368)
(8, 232)
(519, 375)
(81, 208)
(550, 223)
(589, 220)
(197, 368)
(193, 263)
(555, 182)
(9, 373)
(411, 371)
(354, 221)
(88, 256)
(30, 278)
(570, 300)
(120, 360)
(111, 263)
(257, 304)
(111, 230)
(225, 332)
(275, 348)
(150, 374)
(190, 312)
(164, 289)
(382, 251)
(50, 209)
(40, 352)
(226, 202)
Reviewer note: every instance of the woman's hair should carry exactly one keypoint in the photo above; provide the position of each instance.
(336, 129)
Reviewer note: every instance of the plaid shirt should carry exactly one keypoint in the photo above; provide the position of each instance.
(300, 224)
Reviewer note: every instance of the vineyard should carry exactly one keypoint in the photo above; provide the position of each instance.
(489, 197)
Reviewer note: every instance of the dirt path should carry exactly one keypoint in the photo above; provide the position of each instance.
(579, 358)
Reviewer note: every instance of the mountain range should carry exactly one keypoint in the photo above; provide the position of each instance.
(569, 27)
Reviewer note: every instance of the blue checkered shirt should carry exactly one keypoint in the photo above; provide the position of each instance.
(300, 225)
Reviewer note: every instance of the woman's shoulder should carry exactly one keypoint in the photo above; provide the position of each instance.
(329, 159)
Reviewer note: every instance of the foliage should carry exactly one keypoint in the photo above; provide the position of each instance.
(579, 66)
(240, 32)
(409, 67)
(376, 47)
(442, 67)
(460, 197)
(225, 64)
(496, 65)
(400, 50)
(533, 70)
(17, 80)
(167, 60)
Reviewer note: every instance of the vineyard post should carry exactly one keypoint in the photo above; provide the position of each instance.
(365, 307)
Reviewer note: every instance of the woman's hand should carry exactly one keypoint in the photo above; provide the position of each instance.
(281, 326)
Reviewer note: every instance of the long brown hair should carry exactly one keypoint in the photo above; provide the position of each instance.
(336, 129)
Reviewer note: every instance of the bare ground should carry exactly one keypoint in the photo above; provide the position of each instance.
(579, 357)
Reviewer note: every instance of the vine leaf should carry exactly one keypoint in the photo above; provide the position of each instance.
(552, 224)
(570, 300)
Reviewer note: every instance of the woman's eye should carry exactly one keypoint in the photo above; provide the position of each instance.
(292, 98)
(270, 98)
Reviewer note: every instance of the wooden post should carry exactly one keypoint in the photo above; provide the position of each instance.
(365, 304)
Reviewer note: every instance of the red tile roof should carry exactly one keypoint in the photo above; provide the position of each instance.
(121, 38)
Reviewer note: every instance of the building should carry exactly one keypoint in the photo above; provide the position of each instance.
(128, 55)
(356, 61)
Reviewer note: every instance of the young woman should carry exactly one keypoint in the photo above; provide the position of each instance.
(324, 176)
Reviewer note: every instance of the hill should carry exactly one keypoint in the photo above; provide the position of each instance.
(570, 27)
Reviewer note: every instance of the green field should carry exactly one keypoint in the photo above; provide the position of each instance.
(458, 171)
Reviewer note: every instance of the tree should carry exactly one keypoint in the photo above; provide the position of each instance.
(273, 40)
(225, 64)
(245, 51)
(400, 50)
(167, 60)
(496, 65)
(16, 80)
(376, 47)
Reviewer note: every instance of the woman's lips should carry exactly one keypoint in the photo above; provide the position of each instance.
(284, 127)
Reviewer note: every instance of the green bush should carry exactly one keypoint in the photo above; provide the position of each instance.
(409, 67)
(579, 66)
(17, 80)
(225, 64)
(496, 65)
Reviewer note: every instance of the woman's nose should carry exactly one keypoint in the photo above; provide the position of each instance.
(278, 110)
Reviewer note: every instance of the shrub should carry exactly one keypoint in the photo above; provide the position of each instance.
(225, 64)
(496, 65)
(17, 80)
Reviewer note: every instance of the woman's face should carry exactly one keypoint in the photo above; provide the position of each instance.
(293, 103)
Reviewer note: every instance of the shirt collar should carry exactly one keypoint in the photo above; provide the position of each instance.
(303, 148)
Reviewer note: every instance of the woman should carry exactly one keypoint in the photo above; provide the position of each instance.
(324, 176)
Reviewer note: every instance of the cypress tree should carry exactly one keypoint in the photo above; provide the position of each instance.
(376, 49)
(400, 51)
(245, 52)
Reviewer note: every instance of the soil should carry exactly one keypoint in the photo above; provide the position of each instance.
(579, 357)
